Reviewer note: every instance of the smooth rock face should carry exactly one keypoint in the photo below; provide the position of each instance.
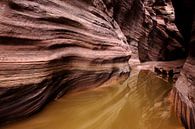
(48, 47)
(129, 14)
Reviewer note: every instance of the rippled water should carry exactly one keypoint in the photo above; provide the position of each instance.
(141, 102)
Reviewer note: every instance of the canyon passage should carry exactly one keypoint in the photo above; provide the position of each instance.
(97, 64)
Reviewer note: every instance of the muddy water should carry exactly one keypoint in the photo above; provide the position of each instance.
(141, 102)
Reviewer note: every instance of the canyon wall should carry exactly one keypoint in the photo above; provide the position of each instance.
(184, 91)
(49, 47)
(149, 28)
(163, 30)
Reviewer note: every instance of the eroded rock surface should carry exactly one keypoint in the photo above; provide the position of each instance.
(162, 40)
(149, 27)
(48, 47)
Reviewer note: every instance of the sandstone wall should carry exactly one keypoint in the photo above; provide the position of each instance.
(49, 47)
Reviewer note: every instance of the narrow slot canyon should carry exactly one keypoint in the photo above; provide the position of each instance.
(97, 64)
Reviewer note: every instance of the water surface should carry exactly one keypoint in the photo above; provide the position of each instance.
(141, 102)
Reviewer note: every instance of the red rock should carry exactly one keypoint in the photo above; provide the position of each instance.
(49, 47)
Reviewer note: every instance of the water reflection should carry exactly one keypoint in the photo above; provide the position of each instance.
(141, 102)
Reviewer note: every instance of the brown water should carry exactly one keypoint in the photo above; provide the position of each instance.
(141, 102)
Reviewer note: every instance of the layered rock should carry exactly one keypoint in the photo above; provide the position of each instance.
(149, 27)
(49, 47)
(154, 33)
(162, 40)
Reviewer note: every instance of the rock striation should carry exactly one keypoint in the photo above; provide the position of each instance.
(149, 28)
(162, 40)
(49, 47)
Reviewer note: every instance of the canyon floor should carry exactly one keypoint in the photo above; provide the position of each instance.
(140, 102)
